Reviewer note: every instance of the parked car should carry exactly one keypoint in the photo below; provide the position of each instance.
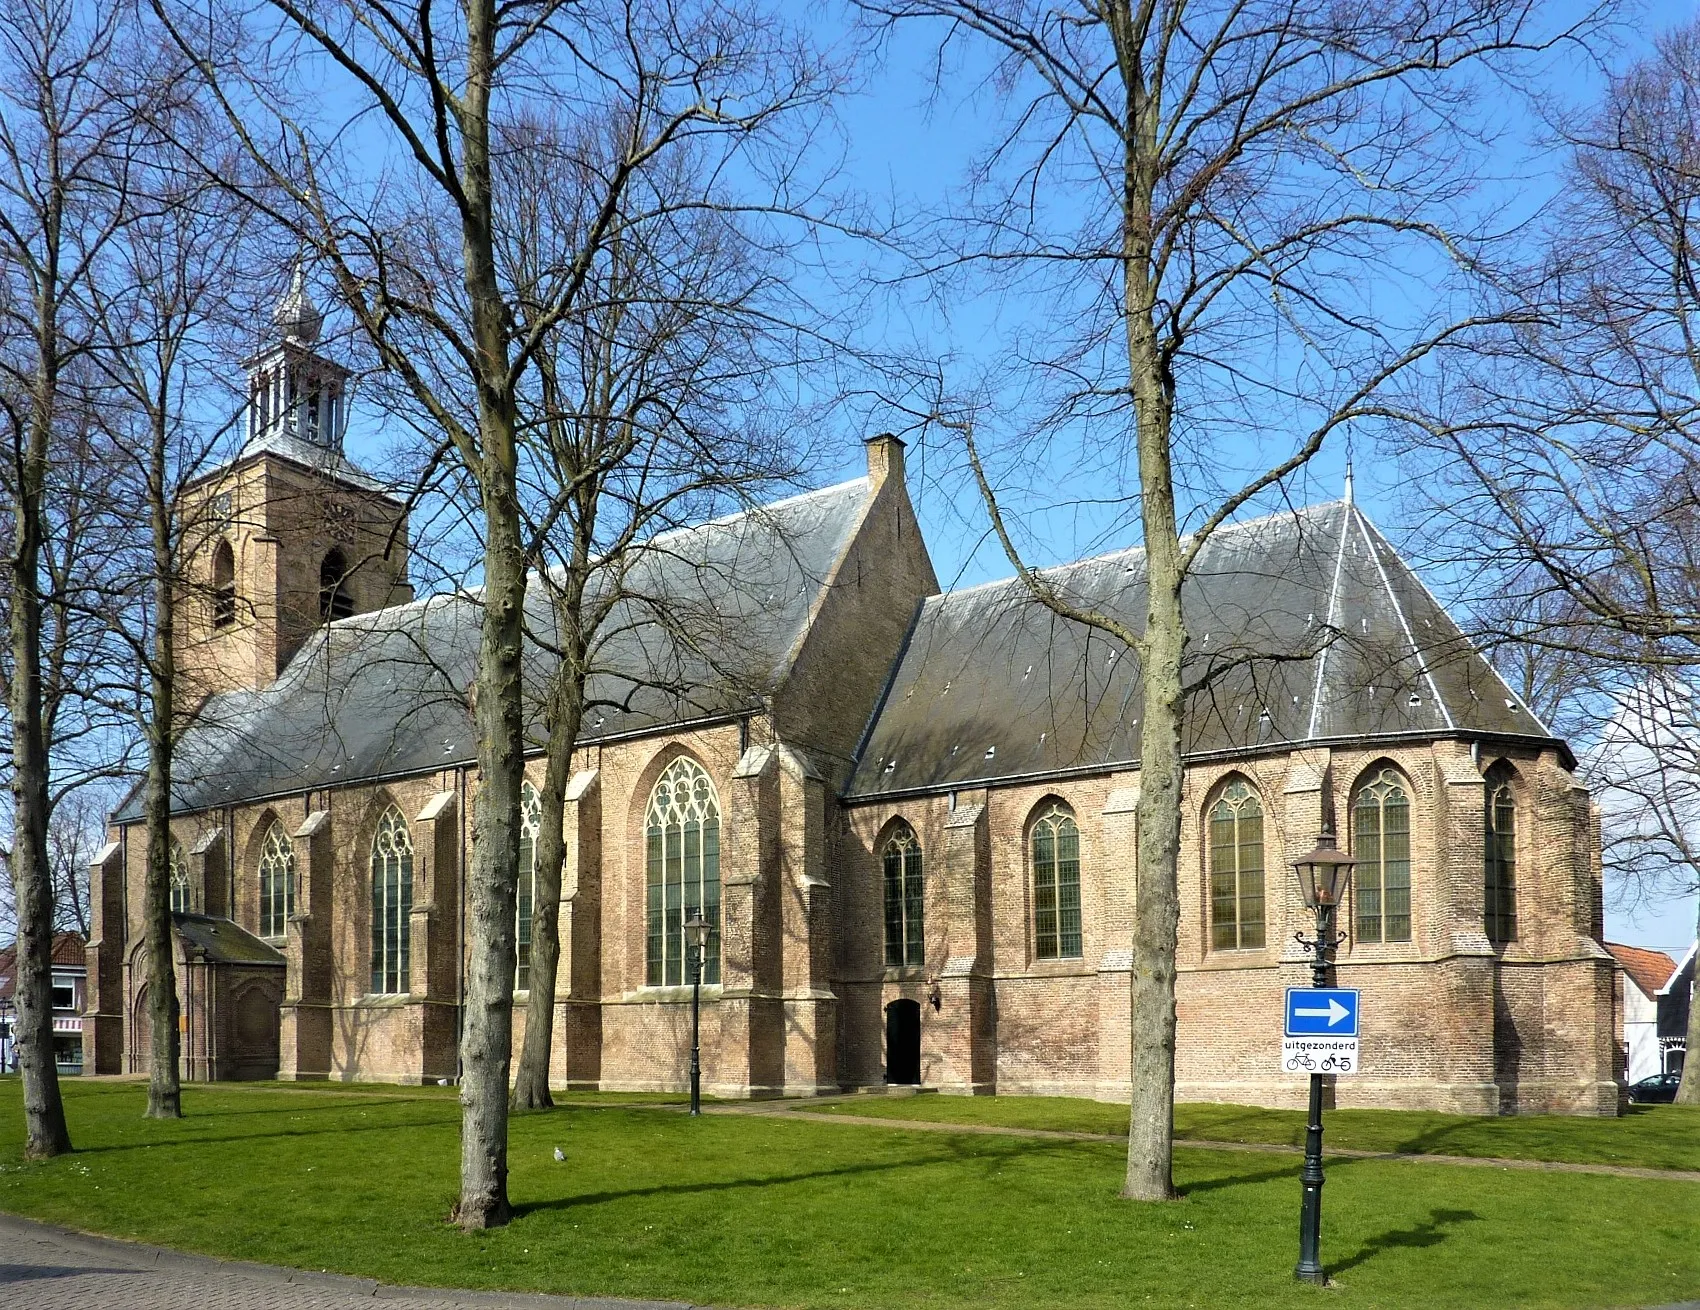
(1660, 1089)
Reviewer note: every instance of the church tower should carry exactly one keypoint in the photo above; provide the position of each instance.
(289, 535)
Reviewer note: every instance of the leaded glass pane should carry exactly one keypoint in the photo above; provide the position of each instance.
(1056, 885)
(683, 873)
(1236, 869)
(904, 901)
(1500, 847)
(392, 903)
(177, 870)
(277, 882)
(525, 899)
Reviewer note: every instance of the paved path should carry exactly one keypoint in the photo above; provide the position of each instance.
(782, 1110)
(43, 1267)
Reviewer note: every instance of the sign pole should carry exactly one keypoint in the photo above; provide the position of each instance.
(1309, 1267)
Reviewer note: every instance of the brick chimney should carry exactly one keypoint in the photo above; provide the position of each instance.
(885, 460)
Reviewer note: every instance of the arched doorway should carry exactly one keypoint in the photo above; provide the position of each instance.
(903, 1042)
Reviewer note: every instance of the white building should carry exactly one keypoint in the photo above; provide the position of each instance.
(1641, 975)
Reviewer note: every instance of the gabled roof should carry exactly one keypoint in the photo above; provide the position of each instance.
(1650, 969)
(1684, 969)
(1309, 625)
(69, 952)
(709, 621)
(223, 941)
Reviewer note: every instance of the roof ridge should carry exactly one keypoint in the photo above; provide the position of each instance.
(1050, 569)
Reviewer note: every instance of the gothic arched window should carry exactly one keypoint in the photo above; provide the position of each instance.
(1381, 880)
(277, 882)
(224, 585)
(1056, 884)
(334, 600)
(178, 871)
(682, 847)
(392, 902)
(1236, 868)
(904, 903)
(530, 823)
(1499, 841)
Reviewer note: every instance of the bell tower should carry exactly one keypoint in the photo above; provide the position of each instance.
(290, 535)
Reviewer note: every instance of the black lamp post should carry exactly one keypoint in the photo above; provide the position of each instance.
(1322, 880)
(696, 938)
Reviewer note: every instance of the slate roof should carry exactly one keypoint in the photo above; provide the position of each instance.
(1308, 624)
(1650, 969)
(382, 694)
(222, 941)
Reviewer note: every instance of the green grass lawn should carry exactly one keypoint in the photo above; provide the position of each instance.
(765, 1211)
(1651, 1136)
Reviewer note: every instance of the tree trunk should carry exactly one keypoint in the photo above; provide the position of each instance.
(45, 1132)
(165, 1091)
(486, 1047)
(566, 710)
(164, 1088)
(1688, 1090)
(1150, 1143)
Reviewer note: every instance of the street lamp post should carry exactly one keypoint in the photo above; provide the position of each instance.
(696, 937)
(1322, 879)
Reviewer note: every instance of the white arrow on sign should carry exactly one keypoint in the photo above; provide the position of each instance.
(1334, 1013)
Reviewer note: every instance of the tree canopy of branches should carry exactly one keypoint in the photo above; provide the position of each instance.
(1563, 458)
(1196, 192)
(395, 182)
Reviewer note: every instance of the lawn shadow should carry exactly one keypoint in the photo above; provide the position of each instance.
(1430, 1232)
(209, 1139)
(950, 1152)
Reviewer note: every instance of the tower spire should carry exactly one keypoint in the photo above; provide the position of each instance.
(293, 391)
(1347, 496)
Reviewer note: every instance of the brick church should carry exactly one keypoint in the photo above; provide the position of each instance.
(907, 815)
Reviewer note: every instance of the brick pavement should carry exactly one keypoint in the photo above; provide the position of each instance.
(43, 1267)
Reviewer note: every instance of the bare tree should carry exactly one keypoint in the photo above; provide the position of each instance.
(1193, 191)
(62, 139)
(1565, 454)
(651, 405)
(163, 312)
(413, 250)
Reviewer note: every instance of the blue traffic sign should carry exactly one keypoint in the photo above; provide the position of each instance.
(1322, 1012)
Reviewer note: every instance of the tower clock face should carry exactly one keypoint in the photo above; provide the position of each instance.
(339, 520)
(221, 509)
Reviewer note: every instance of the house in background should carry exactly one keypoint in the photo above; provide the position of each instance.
(1641, 973)
(1673, 1000)
(69, 973)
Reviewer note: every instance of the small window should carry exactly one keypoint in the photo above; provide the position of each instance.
(178, 871)
(530, 824)
(335, 602)
(1381, 881)
(277, 882)
(1236, 869)
(64, 994)
(904, 902)
(1500, 849)
(1056, 885)
(392, 903)
(224, 585)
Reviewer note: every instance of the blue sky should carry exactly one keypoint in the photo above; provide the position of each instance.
(903, 146)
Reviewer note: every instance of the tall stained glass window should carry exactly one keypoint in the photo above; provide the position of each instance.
(1056, 885)
(682, 839)
(1381, 881)
(392, 902)
(530, 822)
(277, 882)
(1236, 868)
(901, 858)
(1500, 848)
